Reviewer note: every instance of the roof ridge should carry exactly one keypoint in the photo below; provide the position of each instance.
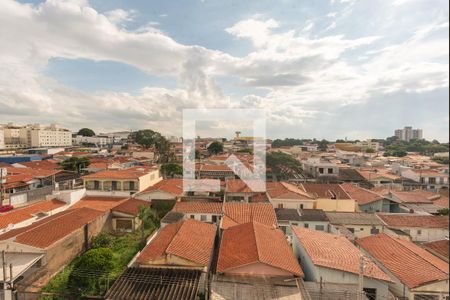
(256, 242)
(176, 234)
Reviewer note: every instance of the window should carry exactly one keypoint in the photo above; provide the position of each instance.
(374, 230)
(306, 225)
(425, 297)
(432, 180)
(422, 180)
(301, 206)
(124, 225)
(214, 219)
(295, 224)
(330, 171)
(96, 185)
(131, 186)
(321, 170)
(203, 218)
(114, 185)
(361, 229)
(192, 217)
(280, 205)
(371, 294)
(419, 232)
(320, 227)
(352, 230)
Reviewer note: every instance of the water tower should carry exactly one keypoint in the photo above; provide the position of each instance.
(237, 135)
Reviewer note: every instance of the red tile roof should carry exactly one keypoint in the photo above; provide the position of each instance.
(253, 242)
(440, 247)
(99, 202)
(441, 202)
(24, 213)
(325, 190)
(130, 206)
(171, 186)
(424, 221)
(130, 173)
(41, 164)
(236, 213)
(416, 196)
(198, 207)
(237, 186)
(284, 190)
(411, 264)
(48, 231)
(188, 239)
(335, 252)
(362, 196)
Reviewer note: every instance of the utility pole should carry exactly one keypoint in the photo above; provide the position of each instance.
(1, 186)
(361, 278)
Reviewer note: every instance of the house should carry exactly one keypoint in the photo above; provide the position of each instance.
(317, 168)
(308, 218)
(210, 171)
(254, 249)
(210, 212)
(329, 258)
(380, 177)
(434, 180)
(166, 189)
(235, 213)
(421, 228)
(26, 215)
(286, 195)
(370, 201)
(121, 182)
(416, 273)
(330, 197)
(47, 245)
(185, 244)
(347, 174)
(358, 223)
(439, 248)
(237, 190)
(125, 216)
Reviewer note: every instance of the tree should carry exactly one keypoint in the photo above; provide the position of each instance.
(283, 165)
(370, 150)
(75, 164)
(148, 218)
(148, 138)
(169, 170)
(322, 145)
(89, 269)
(443, 212)
(86, 132)
(215, 148)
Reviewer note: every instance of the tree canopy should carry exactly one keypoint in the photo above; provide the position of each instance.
(283, 165)
(75, 164)
(395, 147)
(148, 138)
(86, 132)
(169, 170)
(215, 148)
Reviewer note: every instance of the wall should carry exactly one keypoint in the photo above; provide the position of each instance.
(343, 205)
(258, 269)
(149, 180)
(426, 235)
(198, 217)
(296, 204)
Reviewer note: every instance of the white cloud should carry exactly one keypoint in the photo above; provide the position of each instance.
(119, 16)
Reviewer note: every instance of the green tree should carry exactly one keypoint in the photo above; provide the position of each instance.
(370, 150)
(443, 212)
(91, 267)
(75, 164)
(283, 165)
(86, 132)
(322, 145)
(148, 218)
(148, 138)
(169, 170)
(215, 148)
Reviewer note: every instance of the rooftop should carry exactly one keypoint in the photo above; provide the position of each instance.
(335, 252)
(172, 186)
(287, 214)
(253, 242)
(198, 207)
(130, 206)
(130, 173)
(440, 247)
(411, 264)
(189, 239)
(407, 220)
(362, 196)
(236, 213)
(284, 190)
(325, 190)
(353, 218)
(99, 203)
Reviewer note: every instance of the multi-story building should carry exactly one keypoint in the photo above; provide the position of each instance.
(368, 144)
(35, 135)
(408, 133)
(2, 138)
(98, 140)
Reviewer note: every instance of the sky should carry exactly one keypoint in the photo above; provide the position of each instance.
(318, 68)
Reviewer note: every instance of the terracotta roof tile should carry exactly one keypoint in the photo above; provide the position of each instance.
(325, 190)
(441, 202)
(24, 213)
(99, 202)
(130, 206)
(130, 173)
(254, 242)
(188, 239)
(198, 207)
(440, 247)
(408, 262)
(236, 213)
(46, 232)
(172, 186)
(237, 186)
(284, 190)
(335, 252)
(362, 196)
(424, 221)
(41, 164)
(416, 196)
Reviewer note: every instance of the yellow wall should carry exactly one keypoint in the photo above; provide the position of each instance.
(342, 205)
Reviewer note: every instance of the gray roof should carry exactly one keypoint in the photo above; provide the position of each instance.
(172, 217)
(353, 218)
(313, 215)
(287, 214)
(422, 207)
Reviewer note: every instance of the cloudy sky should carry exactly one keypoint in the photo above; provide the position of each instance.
(320, 68)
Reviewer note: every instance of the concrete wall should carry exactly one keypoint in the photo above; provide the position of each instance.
(425, 234)
(207, 217)
(342, 205)
(296, 204)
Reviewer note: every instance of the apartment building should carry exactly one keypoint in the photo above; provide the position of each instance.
(368, 144)
(35, 135)
(408, 133)
(2, 138)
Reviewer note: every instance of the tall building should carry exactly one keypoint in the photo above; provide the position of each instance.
(408, 133)
(2, 138)
(34, 136)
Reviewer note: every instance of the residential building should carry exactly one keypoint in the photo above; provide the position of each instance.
(286, 195)
(166, 189)
(237, 190)
(125, 216)
(369, 144)
(315, 219)
(358, 223)
(210, 212)
(433, 180)
(370, 201)
(328, 258)
(408, 133)
(440, 248)
(2, 138)
(416, 273)
(330, 197)
(317, 168)
(35, 135)
(420, 228)
(121, 182)
(416, 201)
(185, 244)
(100, 141)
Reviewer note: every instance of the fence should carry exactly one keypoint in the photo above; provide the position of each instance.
(31, 195)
